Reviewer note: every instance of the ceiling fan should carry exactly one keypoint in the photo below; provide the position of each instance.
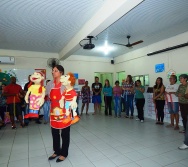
(129, 45)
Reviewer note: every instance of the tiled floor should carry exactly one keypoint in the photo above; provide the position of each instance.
(96, 141)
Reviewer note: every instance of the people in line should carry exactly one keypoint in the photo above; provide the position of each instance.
(96, 98)
(185, 143)
(46, 107)
(140, 100)
(60, 130)
(117, 91)
(183, 101)
(172, 101)
(107, 91)
(128, 94)
(3, 105)
(11, 92)
(159, 99)
(85, 92)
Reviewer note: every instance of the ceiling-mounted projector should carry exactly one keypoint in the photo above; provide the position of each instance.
(88, 45)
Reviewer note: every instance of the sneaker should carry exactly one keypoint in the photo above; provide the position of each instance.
(182, 131)
(183, 147)
(142, 121)
(45, 122)
(137, 119)
(126, 116)
(13, 127)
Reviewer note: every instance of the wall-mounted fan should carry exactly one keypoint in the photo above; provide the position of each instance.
(51, 62)
(129, 45)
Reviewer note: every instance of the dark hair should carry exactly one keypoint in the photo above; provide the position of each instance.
(3, 84)
(108, 83)
(117, 82)
(185, 76)
(136, 82)
(130, 78)
(175, 77)
(60, 68)
(96, 77)
(156, 86)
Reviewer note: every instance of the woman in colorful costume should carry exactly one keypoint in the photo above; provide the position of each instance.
(59, 121)
(35, 95)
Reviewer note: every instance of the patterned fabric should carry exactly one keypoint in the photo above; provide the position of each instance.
(85, 94)
(157, 91)
(127, 85)
(181, 90)
(2, 100)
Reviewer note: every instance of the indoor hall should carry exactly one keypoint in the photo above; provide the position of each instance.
(109, 39)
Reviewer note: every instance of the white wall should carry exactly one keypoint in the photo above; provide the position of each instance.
(138, 63)
(28, 60)
(86, 66)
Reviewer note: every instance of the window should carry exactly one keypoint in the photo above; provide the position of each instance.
(143, 78)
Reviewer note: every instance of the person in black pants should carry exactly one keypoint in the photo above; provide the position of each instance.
(159, 99)
(140, 100)
(56, 141)
(107, 90)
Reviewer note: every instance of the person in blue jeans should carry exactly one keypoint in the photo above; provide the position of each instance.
(117, 99)
(128, 94)
(46, 107)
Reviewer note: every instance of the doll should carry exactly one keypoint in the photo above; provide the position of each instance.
(68, 99)
(35, 95)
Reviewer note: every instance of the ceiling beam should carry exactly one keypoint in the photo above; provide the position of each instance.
(110, 12)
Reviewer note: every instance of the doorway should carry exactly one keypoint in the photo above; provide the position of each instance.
(102, 77)
(121, 76)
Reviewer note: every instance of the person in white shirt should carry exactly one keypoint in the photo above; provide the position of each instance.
(172, 99)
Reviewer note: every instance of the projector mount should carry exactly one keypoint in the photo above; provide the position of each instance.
(89, 45)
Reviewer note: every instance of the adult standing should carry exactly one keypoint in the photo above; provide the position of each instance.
(85, 97)
(46, 107)
(183, 101)
(140, 100)
(185, 144)
(54, 90)
(107, 90)
(96, 98)
(12, 92)
(3, 105)
(128, 94)
(172, 99)
(117, 99)
(159, 99)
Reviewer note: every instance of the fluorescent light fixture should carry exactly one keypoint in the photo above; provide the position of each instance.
(106, 48)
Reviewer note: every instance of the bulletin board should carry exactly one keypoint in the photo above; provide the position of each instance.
(20, 74)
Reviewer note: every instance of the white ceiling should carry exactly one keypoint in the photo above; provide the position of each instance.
(43, 25)
(49, 25)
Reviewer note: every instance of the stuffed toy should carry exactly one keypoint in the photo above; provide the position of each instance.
(68, 99)
(35, 95)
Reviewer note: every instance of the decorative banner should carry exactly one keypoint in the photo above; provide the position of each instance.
(4, 78)
(43, 71)
(81, 81)
(159, 68)
(76, 75)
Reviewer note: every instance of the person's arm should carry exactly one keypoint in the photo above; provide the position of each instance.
(161, 92)
(141, 89)
(177, 92)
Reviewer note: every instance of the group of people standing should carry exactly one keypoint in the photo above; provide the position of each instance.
(119, 94)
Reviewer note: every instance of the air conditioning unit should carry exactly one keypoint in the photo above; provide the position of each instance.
(7, 60)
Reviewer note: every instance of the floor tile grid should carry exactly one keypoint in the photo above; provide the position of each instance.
(167, 151)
